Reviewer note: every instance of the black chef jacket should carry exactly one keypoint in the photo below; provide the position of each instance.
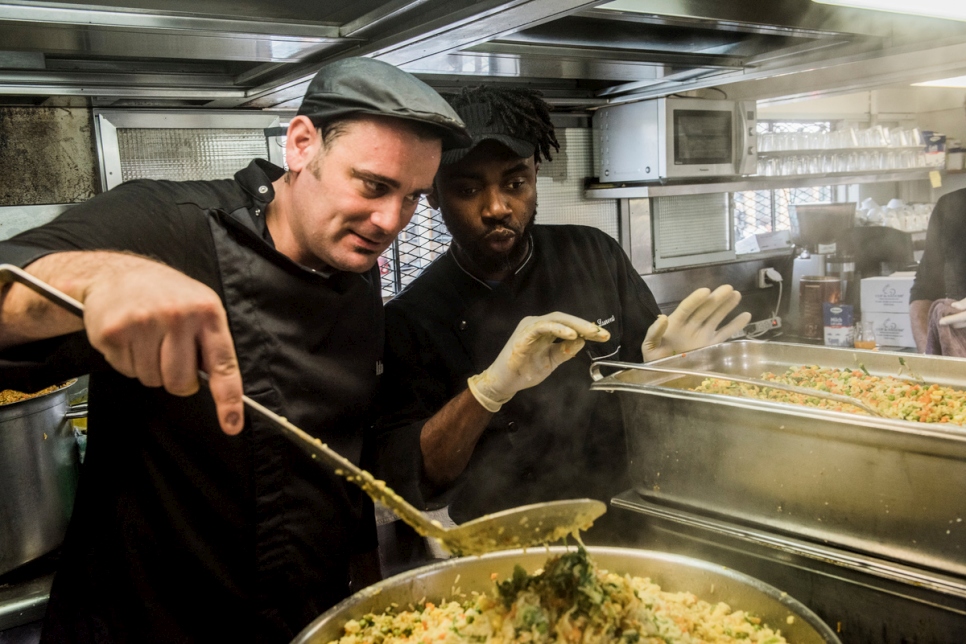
(553, 441)
(942, 271)
(179, 532)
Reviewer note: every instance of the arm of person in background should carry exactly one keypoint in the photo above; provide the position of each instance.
(930, 283)
(955, 320)
(919, 321)
(150, 322)
(694, 323)
(537, 346)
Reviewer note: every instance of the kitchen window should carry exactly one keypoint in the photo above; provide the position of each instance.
(765, 211)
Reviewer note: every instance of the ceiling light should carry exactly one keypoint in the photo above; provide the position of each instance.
(957, 81)
(951, 9)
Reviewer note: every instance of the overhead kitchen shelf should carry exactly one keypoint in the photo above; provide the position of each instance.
(742, 184)
(808, 152)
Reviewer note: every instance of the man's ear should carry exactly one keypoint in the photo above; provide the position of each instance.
(536, 167)
(302, 143)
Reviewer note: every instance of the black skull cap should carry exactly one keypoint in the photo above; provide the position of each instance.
(484, 123)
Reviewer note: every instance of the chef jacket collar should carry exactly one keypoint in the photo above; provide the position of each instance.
(487, 283)
(256, 179)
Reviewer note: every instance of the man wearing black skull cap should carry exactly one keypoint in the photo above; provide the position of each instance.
(497, 411)
(183, 531)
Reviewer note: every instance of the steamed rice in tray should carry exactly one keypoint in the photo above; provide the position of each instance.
(570, 601)
(893, 397)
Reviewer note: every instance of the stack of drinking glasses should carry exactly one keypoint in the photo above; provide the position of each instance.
(846, 150)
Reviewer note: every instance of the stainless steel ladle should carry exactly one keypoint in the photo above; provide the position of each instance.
(520, 527)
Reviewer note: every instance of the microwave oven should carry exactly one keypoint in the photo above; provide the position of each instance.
(676, 138)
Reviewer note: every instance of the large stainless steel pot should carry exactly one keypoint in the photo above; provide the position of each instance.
(39, 466)
(708, 581)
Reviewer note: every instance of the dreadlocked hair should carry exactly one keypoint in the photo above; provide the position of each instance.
(523, 111)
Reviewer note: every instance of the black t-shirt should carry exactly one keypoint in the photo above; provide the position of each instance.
(942, 270)
(556, 440)
(179, 532)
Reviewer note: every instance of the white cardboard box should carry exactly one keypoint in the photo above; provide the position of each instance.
(761, 242)
(891, 329)
(886, 294)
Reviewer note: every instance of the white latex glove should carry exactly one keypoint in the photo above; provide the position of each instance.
(694, 324)
(956, 320)
(531, 354)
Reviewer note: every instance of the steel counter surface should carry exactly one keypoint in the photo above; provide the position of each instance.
(889, 488)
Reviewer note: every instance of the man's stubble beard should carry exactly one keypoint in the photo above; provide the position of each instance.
(495, 263)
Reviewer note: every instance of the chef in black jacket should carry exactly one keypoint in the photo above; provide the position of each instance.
(182, 532)
(488, 351)
(936, 299)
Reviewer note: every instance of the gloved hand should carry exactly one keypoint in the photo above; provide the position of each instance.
(956, 320)
(531, 354)
(694, 324)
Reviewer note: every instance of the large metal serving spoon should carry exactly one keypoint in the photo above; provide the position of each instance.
(521, 527)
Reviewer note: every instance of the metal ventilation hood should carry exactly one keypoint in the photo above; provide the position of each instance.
(582, 54)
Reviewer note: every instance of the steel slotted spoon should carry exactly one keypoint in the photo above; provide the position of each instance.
(520, 527)
(805, 391)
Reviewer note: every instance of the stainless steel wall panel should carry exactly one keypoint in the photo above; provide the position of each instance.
(560, 186)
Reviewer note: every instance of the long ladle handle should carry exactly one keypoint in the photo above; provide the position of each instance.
(10, 273)
(816, 393)
(342, 466)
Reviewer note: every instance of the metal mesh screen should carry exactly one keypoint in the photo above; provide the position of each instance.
(422, 241)
(184, 154)
(690, 225)
(765, 211)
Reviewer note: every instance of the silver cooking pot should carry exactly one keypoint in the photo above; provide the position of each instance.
(675, 573)
(39, 466)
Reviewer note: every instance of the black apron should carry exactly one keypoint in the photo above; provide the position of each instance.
(309, 347)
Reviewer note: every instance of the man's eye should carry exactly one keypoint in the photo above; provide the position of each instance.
(413, 199)
(374, 187)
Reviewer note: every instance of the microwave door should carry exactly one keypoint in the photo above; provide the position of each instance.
(702, 142)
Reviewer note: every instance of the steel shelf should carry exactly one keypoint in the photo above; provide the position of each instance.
(741, 184)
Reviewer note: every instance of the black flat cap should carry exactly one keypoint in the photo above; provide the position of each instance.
(368, 86)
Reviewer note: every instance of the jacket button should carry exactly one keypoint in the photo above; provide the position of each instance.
(511, 427)
(463, 325)
(262, 189)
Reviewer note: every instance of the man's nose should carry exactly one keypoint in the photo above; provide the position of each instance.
(392, 214)
(497, 205)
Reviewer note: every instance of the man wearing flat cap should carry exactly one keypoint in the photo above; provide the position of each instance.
(193, 521)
